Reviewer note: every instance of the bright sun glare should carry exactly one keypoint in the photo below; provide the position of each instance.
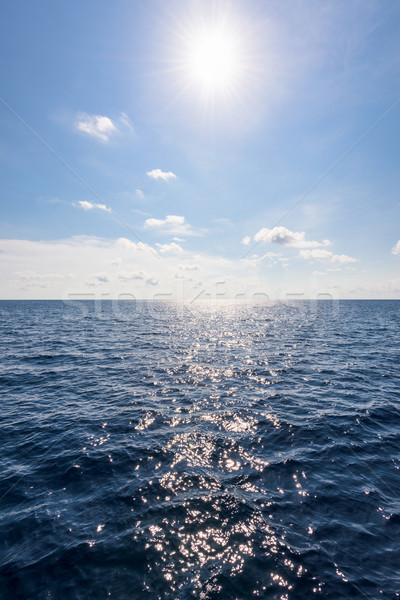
(213, 61)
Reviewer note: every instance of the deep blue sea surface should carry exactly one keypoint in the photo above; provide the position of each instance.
(230, 452)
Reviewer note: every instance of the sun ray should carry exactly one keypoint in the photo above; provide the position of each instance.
(212, 64)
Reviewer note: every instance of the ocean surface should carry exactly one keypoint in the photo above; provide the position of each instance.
(230, 452)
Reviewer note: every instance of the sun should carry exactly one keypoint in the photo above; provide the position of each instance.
(213, 61)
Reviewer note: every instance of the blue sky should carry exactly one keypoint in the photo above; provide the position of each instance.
(133, 163)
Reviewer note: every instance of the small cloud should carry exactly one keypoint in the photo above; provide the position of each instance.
(140, 194)
(285, 237)
(98, 279)
(116, 261)
(92, 205)
(172, 224)
(396, 249)
(319, 273)
(151, 281)
(319, 254)
(274, 257)
(316, 254)
(246, 240)
(103, 278)
(158, 174)
(126, 276)
(169, 221)
(125, 244)
(172, 247)
(343, 258)
(133, 275)
(97, 126)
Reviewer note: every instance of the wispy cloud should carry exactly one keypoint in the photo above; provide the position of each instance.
(274, 258)
(246, 240)
(125, 122)
(140, 194)
(97, 126)
(320, 254)
(29, 280)
(172, 224)
(396, 249)
(285, 237)
(158, 174)
(32, 276)
(92, 205)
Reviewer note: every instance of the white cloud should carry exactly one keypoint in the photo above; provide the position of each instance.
(92, 205)
(140, 194)
(285, 237)
(246, 240)
(130, 275)
(133, 275)
(343, 258)
(172, 224)
(169, 221)
(316, 254)
(172, 247)
(158, 174)
(81, 267)
(396, 249)
(319, 254)
(126, 244)
(97, 126)
(274, 258)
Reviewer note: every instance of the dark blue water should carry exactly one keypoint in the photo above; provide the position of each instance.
(167, 452)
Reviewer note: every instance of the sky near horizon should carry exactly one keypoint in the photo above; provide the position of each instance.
(182, 150)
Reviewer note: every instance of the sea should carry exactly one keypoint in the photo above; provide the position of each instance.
(230, 451)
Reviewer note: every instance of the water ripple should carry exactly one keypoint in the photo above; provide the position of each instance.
(228, 452)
